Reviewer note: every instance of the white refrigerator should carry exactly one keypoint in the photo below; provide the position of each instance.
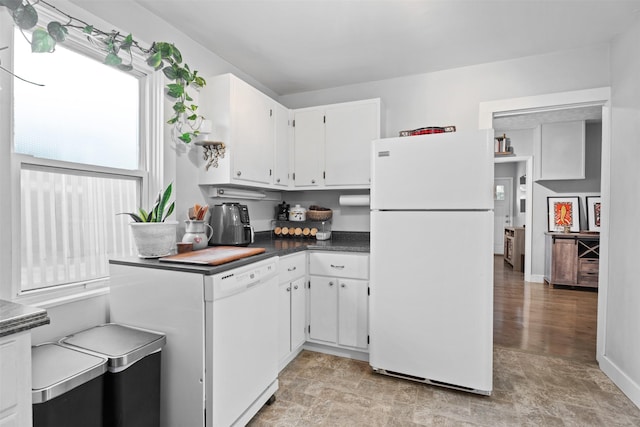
(431, 302)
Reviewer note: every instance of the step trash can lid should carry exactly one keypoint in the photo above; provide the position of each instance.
(122, 345)
(56, 370)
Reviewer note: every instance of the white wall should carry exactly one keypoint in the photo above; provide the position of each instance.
(621, 313)
(451, 97)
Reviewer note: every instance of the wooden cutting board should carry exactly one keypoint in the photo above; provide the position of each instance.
(215, 255)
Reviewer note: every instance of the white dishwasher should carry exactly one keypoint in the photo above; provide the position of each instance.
(220, 363)
(242, 347)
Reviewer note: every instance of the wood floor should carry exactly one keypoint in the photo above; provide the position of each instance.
(537, 318)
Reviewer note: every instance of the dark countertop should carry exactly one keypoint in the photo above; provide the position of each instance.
(16, 318)
(339, 242)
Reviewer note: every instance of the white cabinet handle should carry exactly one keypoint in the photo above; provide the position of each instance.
(295, 287)
(288, 288)
(339, 267)
(330, 283)
(238, 173)
(291, 269)
(343, 285)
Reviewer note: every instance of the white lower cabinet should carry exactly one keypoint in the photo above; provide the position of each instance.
(292, 307)
(323, 309)
(338, 305)
(353, 313)
(15, 380)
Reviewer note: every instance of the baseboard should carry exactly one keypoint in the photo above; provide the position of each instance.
(628, 386)
(336, 351)
(537, 278)
(283, 363)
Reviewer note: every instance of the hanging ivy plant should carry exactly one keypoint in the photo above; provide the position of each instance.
(118, 50)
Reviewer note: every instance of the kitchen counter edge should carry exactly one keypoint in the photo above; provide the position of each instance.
(347, 242)
(16, 318)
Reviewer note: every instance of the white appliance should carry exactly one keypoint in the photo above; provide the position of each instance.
(220, 363)
(431, 303)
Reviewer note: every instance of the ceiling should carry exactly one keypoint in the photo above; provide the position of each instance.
(303, 45)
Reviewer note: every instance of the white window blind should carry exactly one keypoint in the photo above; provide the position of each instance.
(69, 226)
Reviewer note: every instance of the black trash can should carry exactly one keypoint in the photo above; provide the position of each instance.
(67, 387)
(132, 381)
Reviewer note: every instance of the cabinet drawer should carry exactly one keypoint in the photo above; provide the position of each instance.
(291, 267)
(350, 266)
(588, 279)
(589, 265)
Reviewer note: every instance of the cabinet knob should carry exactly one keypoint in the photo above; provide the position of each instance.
(295, 287)
(291, 268)
(288, 288)
(278, 180)
(238, 173)
(330, 283)
(343, 285)
(313, 181)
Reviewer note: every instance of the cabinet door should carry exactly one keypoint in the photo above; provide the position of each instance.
(353, 313)
(284, 320)
(298, 313)
(565, 262)
(281, 160)
(562, 150)
(308, 147)
(15, 383)
(323, 309)
(349, 132)
(253, 135)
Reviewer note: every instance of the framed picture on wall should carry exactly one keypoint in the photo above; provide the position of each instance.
(593, 213)
(564, 213)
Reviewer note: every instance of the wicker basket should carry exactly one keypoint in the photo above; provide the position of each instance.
(319, 215)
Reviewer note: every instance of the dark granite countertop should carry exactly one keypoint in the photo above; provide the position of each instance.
(340, 241)
(16, 318)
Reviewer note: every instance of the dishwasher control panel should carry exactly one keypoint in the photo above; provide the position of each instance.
(242, 278)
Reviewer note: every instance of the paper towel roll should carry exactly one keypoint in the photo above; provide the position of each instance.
(354, 200)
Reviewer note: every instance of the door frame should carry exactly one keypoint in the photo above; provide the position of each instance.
(597, 96)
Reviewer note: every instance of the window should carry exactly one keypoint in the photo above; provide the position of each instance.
(77, 148)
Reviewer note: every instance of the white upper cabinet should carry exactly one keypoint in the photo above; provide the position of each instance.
(270, 146)
(561, 151)
(247, 122)
(332, 143)
(308, 147)
(253, 133)
(349, 130)
(282, 153)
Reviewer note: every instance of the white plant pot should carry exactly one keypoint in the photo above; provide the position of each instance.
(154, 239)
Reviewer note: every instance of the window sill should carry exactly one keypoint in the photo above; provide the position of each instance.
(49, 299)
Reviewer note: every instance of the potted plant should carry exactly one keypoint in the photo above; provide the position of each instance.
(153, 235)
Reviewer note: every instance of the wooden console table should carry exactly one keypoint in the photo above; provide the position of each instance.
(572, 259)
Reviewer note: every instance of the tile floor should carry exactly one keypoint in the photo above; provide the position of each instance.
(545, 374)
(529, 390)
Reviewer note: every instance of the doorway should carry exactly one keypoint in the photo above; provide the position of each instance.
(502, 211)
(597, 98)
